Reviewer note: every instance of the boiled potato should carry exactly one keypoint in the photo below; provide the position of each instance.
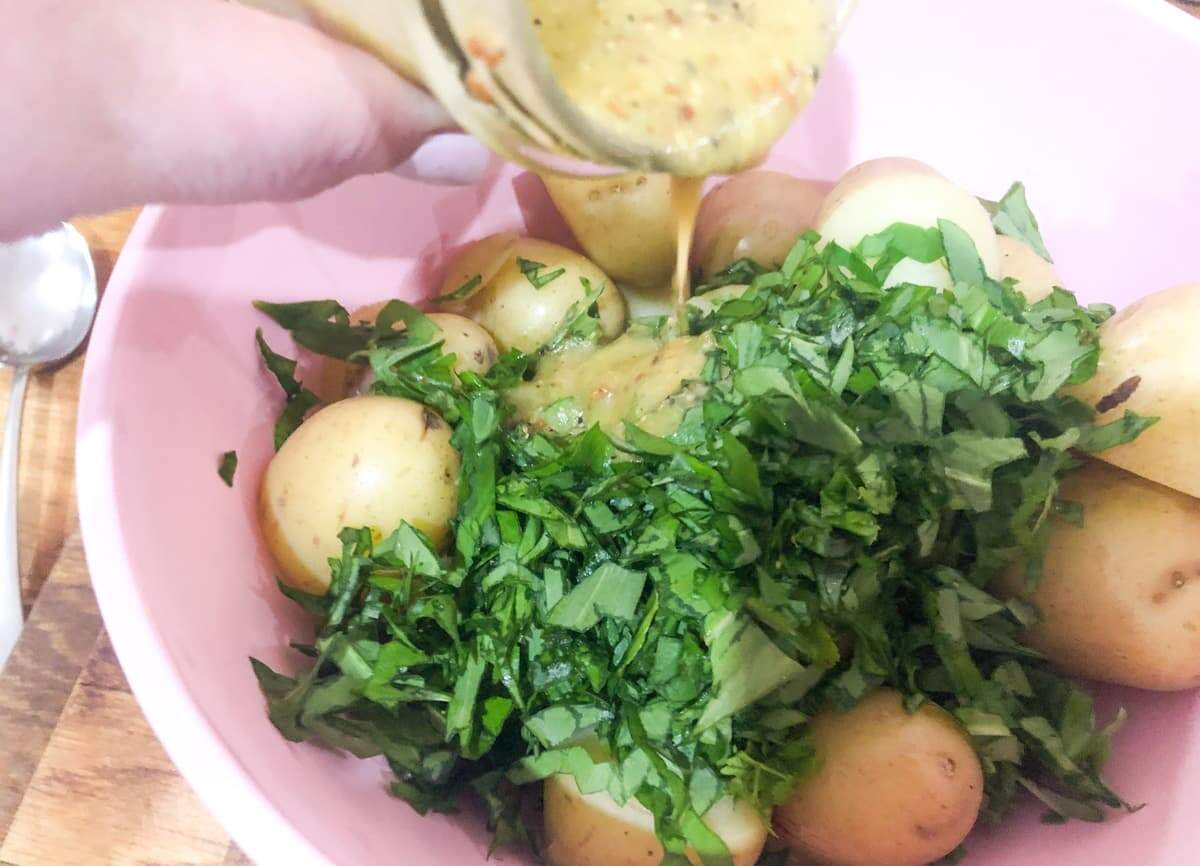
(592, 830)
(1036, 277)
(893, 789)
(877, 194)
(367, 461)
(1150, 364)
(624, 224)
(1120, 597)
(522, 316)
(473, 348)
(757, 215)
(482, 258)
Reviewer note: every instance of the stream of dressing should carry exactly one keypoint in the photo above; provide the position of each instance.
(711, 83)
(685, 205)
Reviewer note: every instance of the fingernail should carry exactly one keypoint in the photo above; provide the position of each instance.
(449, 158)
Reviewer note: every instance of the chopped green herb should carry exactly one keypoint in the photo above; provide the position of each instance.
(660, 615)
(227, 467)
(461, 292)
(300, 401)
(1011, 216)
(533, 272)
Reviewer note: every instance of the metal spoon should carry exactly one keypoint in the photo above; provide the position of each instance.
(47, 301)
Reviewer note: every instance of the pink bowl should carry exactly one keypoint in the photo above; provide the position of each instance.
(1093, 103)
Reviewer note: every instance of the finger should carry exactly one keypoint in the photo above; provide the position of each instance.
(188, 100)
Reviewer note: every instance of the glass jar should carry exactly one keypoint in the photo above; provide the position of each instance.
(685, 87)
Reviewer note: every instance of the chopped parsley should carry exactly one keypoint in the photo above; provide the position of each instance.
(660, 616)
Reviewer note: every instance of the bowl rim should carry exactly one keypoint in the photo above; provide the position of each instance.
(191, 740)
(185, 730)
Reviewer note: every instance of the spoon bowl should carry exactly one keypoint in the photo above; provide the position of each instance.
(47, 297)
(47, 303)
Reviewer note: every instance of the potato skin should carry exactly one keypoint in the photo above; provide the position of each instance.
(894, 789)
(366, 461)
(1149, 353)
(520, 316)
(757, 215)
(1036, 277)
(623, 223)
(1120, 597)
(875, 194)
(592, 830)
(481, 258)
(473, 348)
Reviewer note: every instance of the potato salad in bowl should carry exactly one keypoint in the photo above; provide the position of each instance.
(806, 568)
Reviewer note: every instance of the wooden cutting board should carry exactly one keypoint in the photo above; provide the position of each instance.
(83, 781)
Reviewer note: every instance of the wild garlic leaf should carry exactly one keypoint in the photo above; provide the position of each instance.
(227, 466)
(961, 255)
(533, 273)
(659, 613)
(610, 590)
(746, 666)
(1011, 216)
(463, 291)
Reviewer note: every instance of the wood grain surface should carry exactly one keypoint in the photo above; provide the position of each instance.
(83, 781)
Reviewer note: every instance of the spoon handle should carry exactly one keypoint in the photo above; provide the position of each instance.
(11, 618)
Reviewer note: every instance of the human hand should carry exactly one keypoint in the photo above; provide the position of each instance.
(106, 104)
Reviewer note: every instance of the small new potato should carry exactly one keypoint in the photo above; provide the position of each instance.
(367, 461)
(893, 788)
(1036, 278)
(881, 192)
(482, 259)
(1150, 364)
(756, 215)
(592, 830)
(520, 315)
(473, 348)
(624, 223)
(1120, 597)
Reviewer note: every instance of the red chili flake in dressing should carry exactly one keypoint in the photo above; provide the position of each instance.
(489, 54)
(673, 17)
(478, 88)
(686, 111)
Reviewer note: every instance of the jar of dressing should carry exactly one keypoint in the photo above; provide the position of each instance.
(683, 87)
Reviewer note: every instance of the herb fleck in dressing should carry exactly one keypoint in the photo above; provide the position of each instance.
(710, 84)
